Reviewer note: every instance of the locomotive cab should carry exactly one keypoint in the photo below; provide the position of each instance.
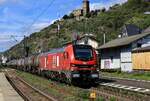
(83, 52)
(84, 63)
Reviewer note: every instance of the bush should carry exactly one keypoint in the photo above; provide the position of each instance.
(65, 17)
(100, 99)
(113, 99)
(71, 15)
(84, 94)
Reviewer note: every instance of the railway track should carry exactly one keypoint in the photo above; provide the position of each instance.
(129, 82)
(121, 92)
(137, 80)
(106, 90)
(109, 94)
(126, 87)
(28, 92)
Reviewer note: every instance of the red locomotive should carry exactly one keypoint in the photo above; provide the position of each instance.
(72, 64)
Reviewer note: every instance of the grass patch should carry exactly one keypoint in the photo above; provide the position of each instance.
(38, 82)
(84, 94)
(60, 90)
(112, 98)
(100, 99)
(140, 76)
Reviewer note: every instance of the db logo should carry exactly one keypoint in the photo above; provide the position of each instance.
(84, 63)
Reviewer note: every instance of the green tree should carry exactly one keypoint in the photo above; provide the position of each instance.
(71, 15)
(103, 10)
(65, 17)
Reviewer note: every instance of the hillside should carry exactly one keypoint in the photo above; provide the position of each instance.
(110, 22)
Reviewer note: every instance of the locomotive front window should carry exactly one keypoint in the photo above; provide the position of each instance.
(83, 53)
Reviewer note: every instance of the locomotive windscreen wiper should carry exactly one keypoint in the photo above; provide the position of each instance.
(83, 54)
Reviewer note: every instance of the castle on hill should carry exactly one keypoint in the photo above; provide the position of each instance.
(84, 11)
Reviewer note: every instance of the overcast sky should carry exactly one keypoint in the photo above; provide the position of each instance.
(17, 15)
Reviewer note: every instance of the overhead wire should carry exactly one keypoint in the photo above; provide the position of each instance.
(28, 28)
(43, 11)
(9, 37)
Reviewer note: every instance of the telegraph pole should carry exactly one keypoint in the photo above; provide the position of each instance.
(26, 48)
(104, 36)
(58, 30)
(24, 43)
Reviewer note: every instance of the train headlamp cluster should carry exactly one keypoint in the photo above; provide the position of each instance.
(76, 75)
(73, 65)
(94, 75)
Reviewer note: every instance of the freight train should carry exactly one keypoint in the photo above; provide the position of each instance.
(72, 64)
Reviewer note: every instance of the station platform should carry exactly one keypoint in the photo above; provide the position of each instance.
(7, 93)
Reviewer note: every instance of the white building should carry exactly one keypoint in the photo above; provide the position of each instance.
(4, 60)
(117, 54)
(87, 39)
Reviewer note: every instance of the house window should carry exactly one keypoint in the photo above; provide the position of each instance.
(139, 44)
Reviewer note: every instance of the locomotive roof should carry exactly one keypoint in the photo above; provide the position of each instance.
(56, 50)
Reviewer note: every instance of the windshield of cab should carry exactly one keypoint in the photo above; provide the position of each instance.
(83, 53)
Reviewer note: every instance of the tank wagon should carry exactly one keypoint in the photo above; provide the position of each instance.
(71, 64)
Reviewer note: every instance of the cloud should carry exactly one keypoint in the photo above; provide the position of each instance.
(36, 27)
(54, 20)
(2, 1)
(9, 36)
(6, 45)
(106, 5)
(14, 1)
(97, 6)
(40, 26)
(7, 41)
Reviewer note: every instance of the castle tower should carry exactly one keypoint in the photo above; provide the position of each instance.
(86, 7)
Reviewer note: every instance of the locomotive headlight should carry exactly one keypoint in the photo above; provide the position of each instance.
(75, 75)
(94, 75)
(95, 65)
(73, 65)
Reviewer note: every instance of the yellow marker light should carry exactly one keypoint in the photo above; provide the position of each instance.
(93, 95)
